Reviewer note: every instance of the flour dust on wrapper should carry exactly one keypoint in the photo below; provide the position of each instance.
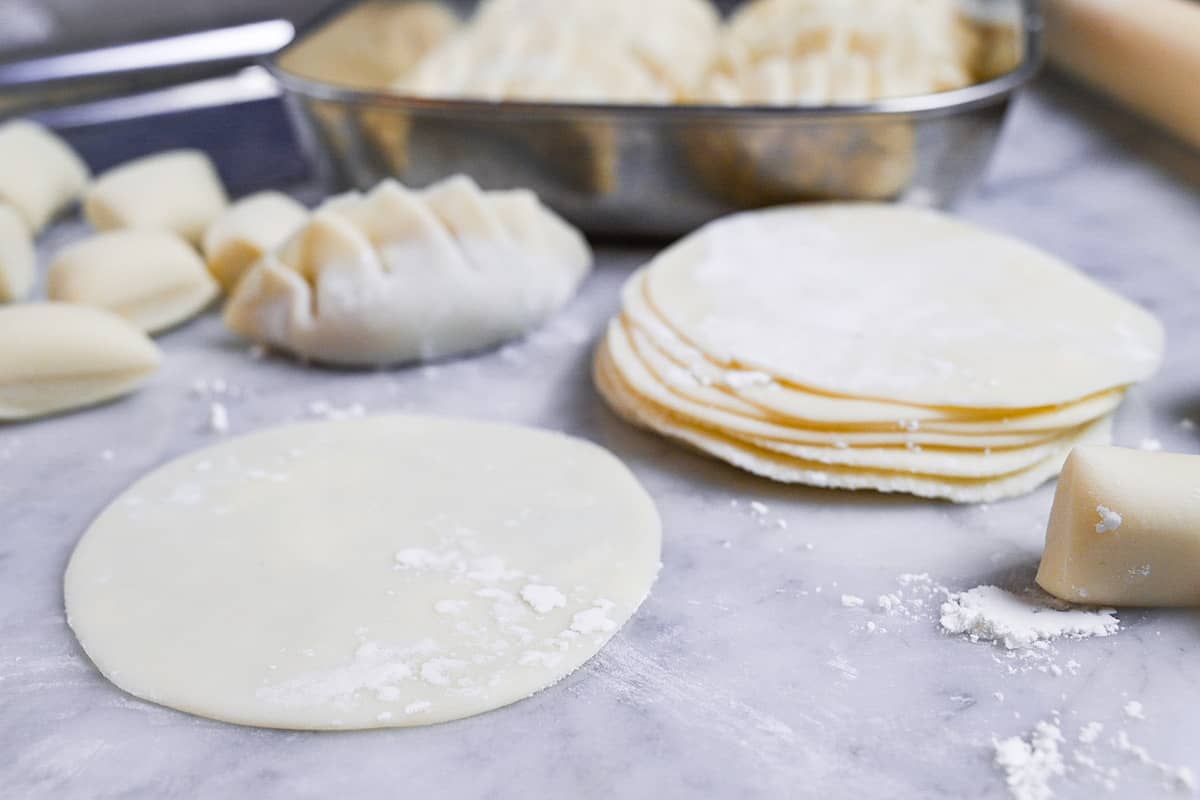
(874, 347)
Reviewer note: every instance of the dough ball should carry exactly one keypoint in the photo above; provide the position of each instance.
(70, 357)
(40, 175)
(152, 278)
(371, 573)
(177, 191)
(400, 276)
(248, 230)
(18, 257)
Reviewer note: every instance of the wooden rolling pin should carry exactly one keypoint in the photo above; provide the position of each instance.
(1143, 53)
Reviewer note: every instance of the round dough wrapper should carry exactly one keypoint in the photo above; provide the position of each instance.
(385, 572)
(757, 393)
(900, 304)
(699, 382)
(784, 469)
(649, 385)
(960, 463)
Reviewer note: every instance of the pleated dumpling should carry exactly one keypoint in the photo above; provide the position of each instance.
(397, 276)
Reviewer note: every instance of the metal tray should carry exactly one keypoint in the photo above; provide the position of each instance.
(665, 170)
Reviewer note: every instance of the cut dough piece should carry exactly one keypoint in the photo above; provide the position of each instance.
(251, 228)
(1125, 529)
(70, 357)
(686, 370)
(151, 278)
(957, 463)
(791, 470)
(385, 572)
(900, 304)
(372, 45)
(18, 256)
(40, 175)
(401, 276)
(178, 191)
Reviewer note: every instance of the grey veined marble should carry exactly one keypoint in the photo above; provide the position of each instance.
(746, 674)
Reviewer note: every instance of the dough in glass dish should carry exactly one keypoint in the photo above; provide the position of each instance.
(842, 52)
(401, 276)
(371, 573)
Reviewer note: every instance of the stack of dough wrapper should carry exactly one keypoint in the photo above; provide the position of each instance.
(863, 346)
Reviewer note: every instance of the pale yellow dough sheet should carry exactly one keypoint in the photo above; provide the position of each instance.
(756, 393)
(903, 305)
(958, 463)
(373, 573)
(790, 470)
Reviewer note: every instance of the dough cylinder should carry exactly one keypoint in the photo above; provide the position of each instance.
(1125, 529)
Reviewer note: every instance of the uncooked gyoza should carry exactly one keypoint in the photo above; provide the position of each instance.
(868, 346)
(397, 276)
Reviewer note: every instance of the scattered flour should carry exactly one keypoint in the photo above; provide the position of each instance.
(218, 418)
(594, 620)
(988, 613)
(1030, 766)
(1134, 710)
(1151, 444)
(543, 599)
(851, 601)
(322, 409)
(1109, 520)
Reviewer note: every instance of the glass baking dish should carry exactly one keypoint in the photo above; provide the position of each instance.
(664, 170)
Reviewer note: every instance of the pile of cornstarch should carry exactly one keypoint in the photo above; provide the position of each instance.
(874, 347)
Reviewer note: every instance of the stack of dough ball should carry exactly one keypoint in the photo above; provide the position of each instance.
(177, 191)
(839, 52)
(251, 228)
(68, 357)
(398, 276)
(152, 278)
(372, 45)
(620, 51)
(874, 347)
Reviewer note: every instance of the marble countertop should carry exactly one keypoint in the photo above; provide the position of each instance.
(744, 675)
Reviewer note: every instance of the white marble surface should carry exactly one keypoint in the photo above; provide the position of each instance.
(743, 675)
